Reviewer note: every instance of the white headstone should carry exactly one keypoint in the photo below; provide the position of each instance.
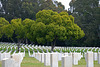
(85, 56)
(59, 56)
(75, 58)
(36, 55)
(6, 55)
(22, 53)
(66, 54)
(1, 56)
(95, 56)
(18, 58)
(9, 63)
(98, 57)
(54, 59)
(66, 61)
(39, 56)
(47, 59)
(89, 61)
(42, 58)
(33, 55)
(70, 54)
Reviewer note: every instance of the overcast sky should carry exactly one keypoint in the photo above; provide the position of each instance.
(65, 3)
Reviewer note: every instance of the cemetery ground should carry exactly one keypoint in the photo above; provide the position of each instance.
(33, 62)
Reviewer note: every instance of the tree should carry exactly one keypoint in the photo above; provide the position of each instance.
(18, 30)
(56, 26)
(12, 9)
(39, 32)
(22, 29)
(3, 23)
(5, 29)
(48, 5)
(27, 23)
(8, 31)
(29, 9)
(85, 13)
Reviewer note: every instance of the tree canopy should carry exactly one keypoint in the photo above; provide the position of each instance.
(3, 24)
(49, 26)
(56, 26)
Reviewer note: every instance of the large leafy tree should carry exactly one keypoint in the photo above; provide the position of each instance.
(5, 29)
(18, 29)
(22, 29)
(3, 24)
(55, 26)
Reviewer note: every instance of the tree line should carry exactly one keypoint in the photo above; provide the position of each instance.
(48, 27)
(87, 16)
(27, 8)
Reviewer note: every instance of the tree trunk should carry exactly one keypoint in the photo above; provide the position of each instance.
(19, 41)
(53, 45)
(13, 40)
(22, 41)
(26, 41)
(31, 43)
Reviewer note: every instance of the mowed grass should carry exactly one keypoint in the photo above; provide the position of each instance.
(0, 64)
(31, 62)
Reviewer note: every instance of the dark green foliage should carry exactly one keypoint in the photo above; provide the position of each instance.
(26, 8)
(87, 14)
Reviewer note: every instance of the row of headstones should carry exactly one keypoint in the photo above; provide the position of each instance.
(64, 48)
(28, 47)
(32, 45)
(83, 49)
(3, 52)
(90, 59)
(51, 59)
(95, 56)
(13, 60)
(70, 48)
(8, 55)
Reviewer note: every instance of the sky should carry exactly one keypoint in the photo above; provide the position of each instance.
(65, 3)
